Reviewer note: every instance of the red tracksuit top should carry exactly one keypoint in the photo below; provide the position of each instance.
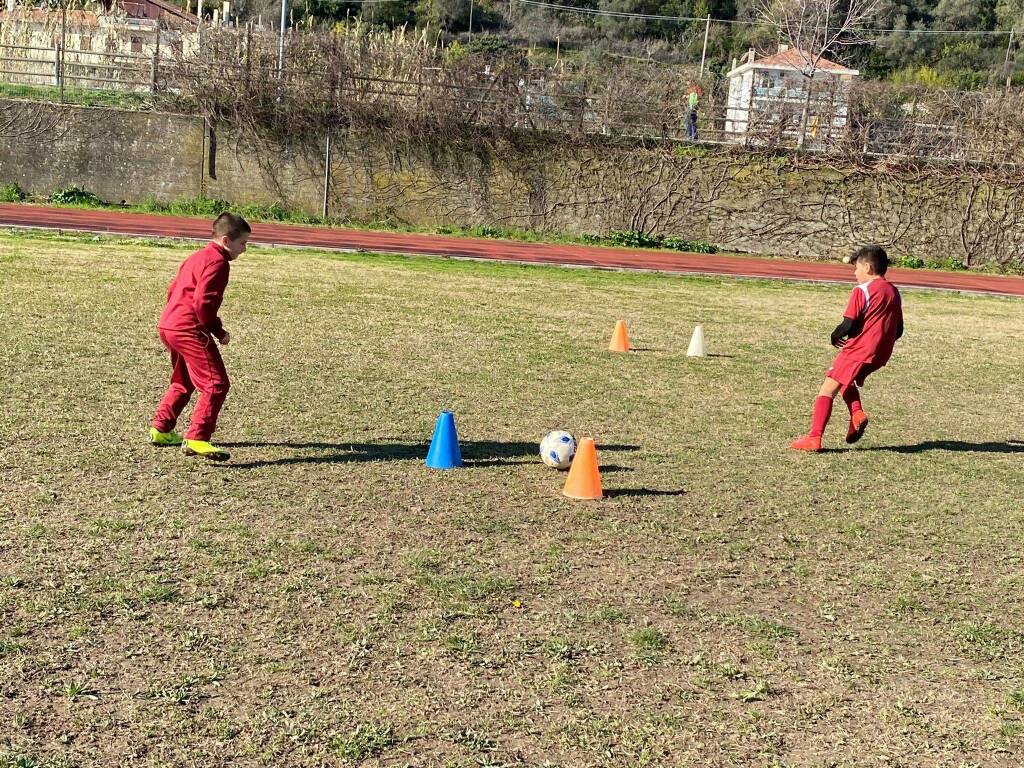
(196, 293)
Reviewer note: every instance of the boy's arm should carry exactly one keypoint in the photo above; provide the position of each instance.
(208, 296)
(899, 322)
(853, 319)
(847, 329)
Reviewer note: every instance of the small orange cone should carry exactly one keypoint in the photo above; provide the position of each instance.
(584, 480)
(620, 339)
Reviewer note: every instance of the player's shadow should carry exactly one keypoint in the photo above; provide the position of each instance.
(613, 493)
(958, 446)
(474, 453)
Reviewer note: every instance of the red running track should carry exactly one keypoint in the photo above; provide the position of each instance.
(149, 225)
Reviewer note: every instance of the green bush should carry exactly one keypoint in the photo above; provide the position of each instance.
(76, 196)
(454, 53)
(272, 212)
(198, 206)
(489, 231)
(150, 205)
(12, 193)
(690, 246)
(949, 263)
(632, 239)
(209, 207)
(908, 262)
(491, 46)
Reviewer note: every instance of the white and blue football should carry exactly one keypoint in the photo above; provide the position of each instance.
(557, 449)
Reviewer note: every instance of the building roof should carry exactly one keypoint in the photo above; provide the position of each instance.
(791, 59)
(92, 19)
(173, 10)
(41, 16)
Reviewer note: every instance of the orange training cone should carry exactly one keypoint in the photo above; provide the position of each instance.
(620, 339)
(584, 480)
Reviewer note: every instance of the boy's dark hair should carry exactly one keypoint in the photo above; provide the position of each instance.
(875, 257)
(232, 225)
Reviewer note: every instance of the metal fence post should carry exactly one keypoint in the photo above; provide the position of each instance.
(248, 57)
(202, 161)
(419, 87)
(586, 109)
(704, 52)
(284, 26)
(156, 62)
(59, 58)
(58, 69)
(327, 174)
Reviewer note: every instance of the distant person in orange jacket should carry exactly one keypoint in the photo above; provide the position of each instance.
(189, 326)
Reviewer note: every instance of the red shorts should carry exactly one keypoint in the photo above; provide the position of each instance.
(848, 370)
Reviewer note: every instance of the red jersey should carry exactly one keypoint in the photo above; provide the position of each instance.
(877, 308)
(196, 293)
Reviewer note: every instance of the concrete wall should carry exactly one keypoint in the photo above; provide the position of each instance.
(118, 155)
(758, 203)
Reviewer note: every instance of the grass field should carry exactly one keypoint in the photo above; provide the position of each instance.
(324, 599)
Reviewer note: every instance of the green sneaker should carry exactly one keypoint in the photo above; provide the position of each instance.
(204, 450)
(163, 439)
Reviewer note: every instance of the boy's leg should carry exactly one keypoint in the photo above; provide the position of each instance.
(851, 396)
(823, 406)
(178, 393)
(819, 417)
(206, 367)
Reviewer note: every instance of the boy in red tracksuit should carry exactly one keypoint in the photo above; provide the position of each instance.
(188, 326)
(872, 323)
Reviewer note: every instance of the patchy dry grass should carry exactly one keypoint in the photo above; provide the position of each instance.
(324, 599)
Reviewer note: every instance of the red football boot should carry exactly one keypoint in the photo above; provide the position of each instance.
(858, 423)
(807, 443)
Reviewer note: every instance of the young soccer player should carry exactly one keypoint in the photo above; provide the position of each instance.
(872, 323)
(188, 326)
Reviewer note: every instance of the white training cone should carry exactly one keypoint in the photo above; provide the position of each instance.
(697, 343)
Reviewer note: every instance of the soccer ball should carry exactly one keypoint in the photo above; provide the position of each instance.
(557, 449)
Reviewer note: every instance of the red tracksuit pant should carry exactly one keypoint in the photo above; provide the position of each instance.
(196, 364)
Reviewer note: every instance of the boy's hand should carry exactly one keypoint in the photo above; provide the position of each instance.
(226, 340)
(839, 343)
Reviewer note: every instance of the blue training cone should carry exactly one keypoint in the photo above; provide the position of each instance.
(444, 450)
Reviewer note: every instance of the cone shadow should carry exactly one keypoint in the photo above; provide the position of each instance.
(612, 493)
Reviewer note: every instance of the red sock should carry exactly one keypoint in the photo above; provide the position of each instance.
(851, 396)
(820, 416)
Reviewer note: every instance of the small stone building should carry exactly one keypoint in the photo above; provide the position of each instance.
(773, 96)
